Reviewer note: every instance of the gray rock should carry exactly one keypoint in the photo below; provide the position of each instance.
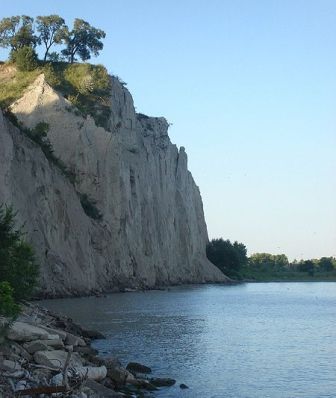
(20, 331)
(37, 345)
(56, 359)
(162, 381)
(120, 375)
(86, 350)
(9, 365)
(153, 231)
(101, 391)
(135, 367)
(74, 340)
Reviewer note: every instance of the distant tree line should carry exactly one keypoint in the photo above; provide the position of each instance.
(232, 260)
(22, 34)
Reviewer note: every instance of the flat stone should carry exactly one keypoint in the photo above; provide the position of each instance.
(71, 339)
(20, 331)
(37, 345)
(162, 381)
(9, 365)
(91, 372)
(136, 367)
(86, 350)
(102, 391)
(56, 359)
(61, 333)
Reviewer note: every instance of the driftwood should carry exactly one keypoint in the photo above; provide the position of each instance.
(40, 390)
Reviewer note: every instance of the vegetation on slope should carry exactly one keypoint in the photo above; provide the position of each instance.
(18, 268)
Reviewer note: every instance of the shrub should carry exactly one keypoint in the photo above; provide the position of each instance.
(17, 260)
(228, 257)
(25, 59)
(8, 307)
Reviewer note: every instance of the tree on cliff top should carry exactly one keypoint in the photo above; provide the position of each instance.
(83, 41)
(17, 32)
(52, 30)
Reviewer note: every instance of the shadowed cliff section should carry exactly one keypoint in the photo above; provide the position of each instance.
(152, 232)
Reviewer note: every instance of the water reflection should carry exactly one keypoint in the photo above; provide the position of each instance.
(256, 340)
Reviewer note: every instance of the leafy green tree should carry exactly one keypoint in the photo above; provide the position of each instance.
(17, 261)
(17, 32)
(268, 262)
(228, 257)
(306, 266)
(52, 30)
(25, 59)
(326, 264)
(83, 40)
(8, 306)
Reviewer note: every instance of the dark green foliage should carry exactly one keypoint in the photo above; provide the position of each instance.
(327, 264)
(25, 59)
(17, 261)
(17, 32)
(89, 206)
(228, 257)
(52, 29)
(83, 40)
(8, 306)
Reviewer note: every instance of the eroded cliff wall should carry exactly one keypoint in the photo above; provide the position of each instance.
(152, 232)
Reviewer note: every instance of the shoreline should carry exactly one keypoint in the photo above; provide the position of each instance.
(46, 352)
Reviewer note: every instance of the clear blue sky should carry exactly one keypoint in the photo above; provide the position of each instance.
(250, 87)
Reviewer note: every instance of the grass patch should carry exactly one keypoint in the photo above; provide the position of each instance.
(86, 86)
(287, 276)
(13, 83)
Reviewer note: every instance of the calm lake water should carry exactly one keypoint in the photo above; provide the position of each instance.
(259, 340)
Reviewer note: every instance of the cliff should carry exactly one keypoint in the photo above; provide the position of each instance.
(152, 231)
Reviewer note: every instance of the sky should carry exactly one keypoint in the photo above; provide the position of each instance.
(250, 89)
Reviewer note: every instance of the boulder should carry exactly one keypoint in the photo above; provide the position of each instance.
(10, 366)
(71, 339)
(86, 350)
(56, 359)
(61, 333)
(19, 350)
(136, 367)
(20, 331)
(92, 334)
(101, 391)
(120, 375)
(162, 381)
(91, 372)
(37, 345)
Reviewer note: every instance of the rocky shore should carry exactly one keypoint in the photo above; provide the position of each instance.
(43, 354)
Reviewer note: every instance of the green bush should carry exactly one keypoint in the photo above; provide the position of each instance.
(228, 257)
(25, 59)
(17, 260)
(8, 307)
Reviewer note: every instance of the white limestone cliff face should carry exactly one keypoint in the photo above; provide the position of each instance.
(152, 232)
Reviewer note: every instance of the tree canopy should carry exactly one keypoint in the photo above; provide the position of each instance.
(17, 32)
(82, 42)
(52, 29)
(228, 257)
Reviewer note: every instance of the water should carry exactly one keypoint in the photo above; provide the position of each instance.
(274, 340)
